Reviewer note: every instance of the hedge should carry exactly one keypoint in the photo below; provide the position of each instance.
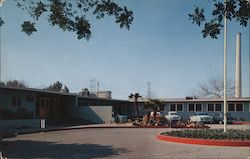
(216, 134)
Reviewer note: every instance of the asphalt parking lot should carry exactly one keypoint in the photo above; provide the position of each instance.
(113, 143)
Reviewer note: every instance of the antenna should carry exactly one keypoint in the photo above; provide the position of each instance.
(98, 86)
(149, 90)
(92, 85)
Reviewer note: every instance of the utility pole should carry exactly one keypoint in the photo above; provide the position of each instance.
(225, 68)
(249, 48)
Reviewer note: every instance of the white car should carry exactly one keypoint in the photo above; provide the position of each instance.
(201, 117)
(173, 116)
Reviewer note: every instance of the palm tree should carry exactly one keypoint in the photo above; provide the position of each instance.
(135, 97)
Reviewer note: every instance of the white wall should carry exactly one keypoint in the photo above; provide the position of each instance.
(97, 114)
(94, 114)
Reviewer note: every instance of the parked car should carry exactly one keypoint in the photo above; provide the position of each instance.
(173, 116)
(219, 118)
(201, 117)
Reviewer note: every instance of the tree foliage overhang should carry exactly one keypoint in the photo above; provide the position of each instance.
(72, 15)
(237, 10)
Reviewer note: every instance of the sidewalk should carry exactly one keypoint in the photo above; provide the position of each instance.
(36, 130)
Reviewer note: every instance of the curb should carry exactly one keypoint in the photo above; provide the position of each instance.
(241, 123)
(102, 127)
(75, 128)
(204, 141)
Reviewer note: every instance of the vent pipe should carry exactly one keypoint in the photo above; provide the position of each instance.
(238, 67)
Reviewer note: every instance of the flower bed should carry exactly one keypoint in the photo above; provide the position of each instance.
(208, 137)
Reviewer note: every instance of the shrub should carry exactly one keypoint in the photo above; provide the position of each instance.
(216, 134)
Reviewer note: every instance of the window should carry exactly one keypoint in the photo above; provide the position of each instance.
(172, 107)
(176, 107)
(16, 101)
(80, 102)
(194, 107)
(239, 107)
(198, 107)
(161, 107)
(44, 103)
(218, 107)
(179, 107)
(30, 98)
(190, 107)
(210, 107)
(231, 107)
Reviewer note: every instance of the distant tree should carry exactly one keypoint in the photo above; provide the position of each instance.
(153, 104)
(65, 89)
(2, 84)
(135, 97)
(237, 10)
(71, 15)
(84, 92)
(15, 83)
(214, 87)
(57, 86)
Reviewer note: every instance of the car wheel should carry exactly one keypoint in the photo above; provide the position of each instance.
(220, 122)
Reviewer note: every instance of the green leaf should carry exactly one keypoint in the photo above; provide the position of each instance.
(28, 27)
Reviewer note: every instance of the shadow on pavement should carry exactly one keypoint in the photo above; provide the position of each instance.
(38, 149)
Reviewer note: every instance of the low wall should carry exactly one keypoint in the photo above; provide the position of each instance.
(97, 114)
(5, 124)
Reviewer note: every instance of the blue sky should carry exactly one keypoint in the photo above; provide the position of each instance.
(162, 47)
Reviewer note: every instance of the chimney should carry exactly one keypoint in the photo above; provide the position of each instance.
(238, 67)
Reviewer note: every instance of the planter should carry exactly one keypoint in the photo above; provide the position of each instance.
(241, 122)
(204, 141)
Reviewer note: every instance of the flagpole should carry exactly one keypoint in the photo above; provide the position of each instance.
(225, 71)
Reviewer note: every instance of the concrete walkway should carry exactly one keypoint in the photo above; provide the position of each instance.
(112, 143)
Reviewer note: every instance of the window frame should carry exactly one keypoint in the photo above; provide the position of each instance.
(30, 98)
(182, 108)
(46, 104)
(16, 101)
(220, 107)
(170, 106)
(196, 107)
(176, 106)
(189, 107)
(208, 107)
(236, 107)
(233, 107)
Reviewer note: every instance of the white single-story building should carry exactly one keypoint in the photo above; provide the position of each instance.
(238, 108)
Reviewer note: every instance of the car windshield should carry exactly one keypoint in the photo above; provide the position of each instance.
(173, 113)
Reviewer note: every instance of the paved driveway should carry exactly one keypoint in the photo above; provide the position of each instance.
(111, 143)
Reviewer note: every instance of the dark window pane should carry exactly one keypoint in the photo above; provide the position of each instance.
(161, 107)
(18, 101)
(172, 107)
(191, 107)
(198, 107)
(231, 107)
(239, 107)
(30, 98)
(217, 107)
(179, 107)
(14, 101)
(210, 107)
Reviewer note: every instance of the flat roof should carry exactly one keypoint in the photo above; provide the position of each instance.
(195, 100)
(57, 93)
